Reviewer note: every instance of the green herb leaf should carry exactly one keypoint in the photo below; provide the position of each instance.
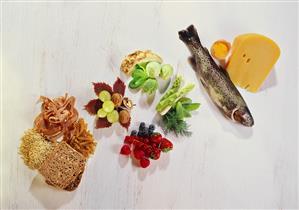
(191, 107)
(179, 110)
(186, 114)
(173, 124)
(185, 100)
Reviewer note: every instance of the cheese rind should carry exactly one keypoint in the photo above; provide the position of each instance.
(252, 59)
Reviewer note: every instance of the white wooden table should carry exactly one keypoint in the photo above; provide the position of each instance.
(53, 48)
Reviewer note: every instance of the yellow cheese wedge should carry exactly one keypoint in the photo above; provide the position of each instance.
(252, 58)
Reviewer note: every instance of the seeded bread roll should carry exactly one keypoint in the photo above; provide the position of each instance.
(63, 166)
(136, 57)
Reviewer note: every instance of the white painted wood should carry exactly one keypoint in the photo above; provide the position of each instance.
(53, 48)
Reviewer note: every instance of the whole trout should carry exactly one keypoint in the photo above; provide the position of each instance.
(215, 80)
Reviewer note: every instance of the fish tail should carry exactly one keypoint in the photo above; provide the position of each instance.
(190, 36)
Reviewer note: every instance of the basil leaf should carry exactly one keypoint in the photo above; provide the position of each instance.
(191, 107)
(186, 113)
(185, 100)
(179, 111)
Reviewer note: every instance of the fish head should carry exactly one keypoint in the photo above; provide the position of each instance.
(242, 115)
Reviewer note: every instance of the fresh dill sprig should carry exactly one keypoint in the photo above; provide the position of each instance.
(173, 122)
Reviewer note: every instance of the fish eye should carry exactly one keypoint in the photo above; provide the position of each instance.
(236, 115)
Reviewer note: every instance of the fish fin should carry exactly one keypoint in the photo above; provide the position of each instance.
(189, 35)
(192, 62)
(193, 33)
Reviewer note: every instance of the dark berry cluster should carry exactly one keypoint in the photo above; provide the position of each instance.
(143, 130)
(145, 144)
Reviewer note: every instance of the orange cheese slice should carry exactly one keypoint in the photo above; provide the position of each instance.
(252, 59)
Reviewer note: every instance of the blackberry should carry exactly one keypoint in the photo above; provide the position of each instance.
(143, 132)
(133, 133)
(140, 133)
(146, 131)
(141, 126)
(151, 127)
